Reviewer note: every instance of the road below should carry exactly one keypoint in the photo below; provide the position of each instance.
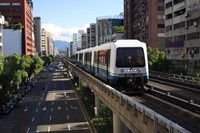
(52, 106)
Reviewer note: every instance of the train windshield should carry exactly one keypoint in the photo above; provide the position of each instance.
(130, 57)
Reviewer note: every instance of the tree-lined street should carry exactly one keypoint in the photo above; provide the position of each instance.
(52, 106)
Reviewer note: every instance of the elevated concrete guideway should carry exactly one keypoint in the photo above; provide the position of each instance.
(138, 118)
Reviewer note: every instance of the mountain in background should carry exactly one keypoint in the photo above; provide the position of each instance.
(61, 45)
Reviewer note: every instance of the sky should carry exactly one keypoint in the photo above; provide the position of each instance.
(62, 18)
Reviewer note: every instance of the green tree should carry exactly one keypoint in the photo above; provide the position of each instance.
(47, 59)
(37, 65)
(155, 55)
(196, 71)
(117, 29)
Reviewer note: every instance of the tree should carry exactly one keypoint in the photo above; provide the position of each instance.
(196, 71)
(117, 29)
(154, 55)
(37, 65)
(47, 59)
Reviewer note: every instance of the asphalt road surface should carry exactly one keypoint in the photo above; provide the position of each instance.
(51, 106)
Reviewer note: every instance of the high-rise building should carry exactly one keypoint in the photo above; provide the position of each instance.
(44, 46)
(91, 36)
(144, 20)
(75, 39)
(182, 31)
(37, 34)
(79, 39)
(2, 21)
(104, 27)
(20, 11)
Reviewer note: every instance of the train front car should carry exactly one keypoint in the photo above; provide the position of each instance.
(131, 65)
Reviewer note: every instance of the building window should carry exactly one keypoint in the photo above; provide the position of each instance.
(195, 35)
(160, 8)
(161, 26)
(180, 12)
(168, 5)
(178, 1)
(16, 4)
(169, 16)
(179, 25)
(4, 4)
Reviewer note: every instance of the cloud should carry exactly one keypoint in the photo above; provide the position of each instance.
(60, 33)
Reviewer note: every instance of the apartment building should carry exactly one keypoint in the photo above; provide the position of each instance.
(37, 34)
(104, 27)
(20, 11)
(144, 20)
(44, 41)
(91, 36)
(75, 41)
(183, 31)
(2, 21)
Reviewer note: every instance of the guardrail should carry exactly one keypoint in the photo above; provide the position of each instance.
(137, 117)
(175, 77)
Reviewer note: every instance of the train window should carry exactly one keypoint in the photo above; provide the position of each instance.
(102, 57)
(130, 57)
(81, 57)
(95, 57)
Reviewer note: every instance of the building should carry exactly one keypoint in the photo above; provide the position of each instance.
(2, 21)
(144, 20)
(14, 45)
(183, 32)
(81, 40)
(91, 36)
(104, 27)
(44, 40)
(37, 34)
(20, 11)
(75, 41)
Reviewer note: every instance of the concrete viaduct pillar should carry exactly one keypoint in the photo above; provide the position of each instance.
(118, 125)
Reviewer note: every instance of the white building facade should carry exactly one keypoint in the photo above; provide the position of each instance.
(12, 42)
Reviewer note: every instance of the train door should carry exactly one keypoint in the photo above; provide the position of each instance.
(107, 63)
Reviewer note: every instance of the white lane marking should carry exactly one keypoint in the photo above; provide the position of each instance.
(50, 118)
(36, 110)
(65, 102)
(41, 98)
(43, 94)
(45, 108)
(67, 117)
(69, 127)
(49, 128)
(33, 119)
(52, 103)
(39, 103)
(59, 108)
(28, 129)
(66, 109)
(51, 109)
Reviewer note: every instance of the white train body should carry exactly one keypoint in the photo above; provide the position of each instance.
(118, 63)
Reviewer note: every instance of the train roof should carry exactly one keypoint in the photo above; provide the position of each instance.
(117, 44)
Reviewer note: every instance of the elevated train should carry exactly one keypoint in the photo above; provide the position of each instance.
(122, 63)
